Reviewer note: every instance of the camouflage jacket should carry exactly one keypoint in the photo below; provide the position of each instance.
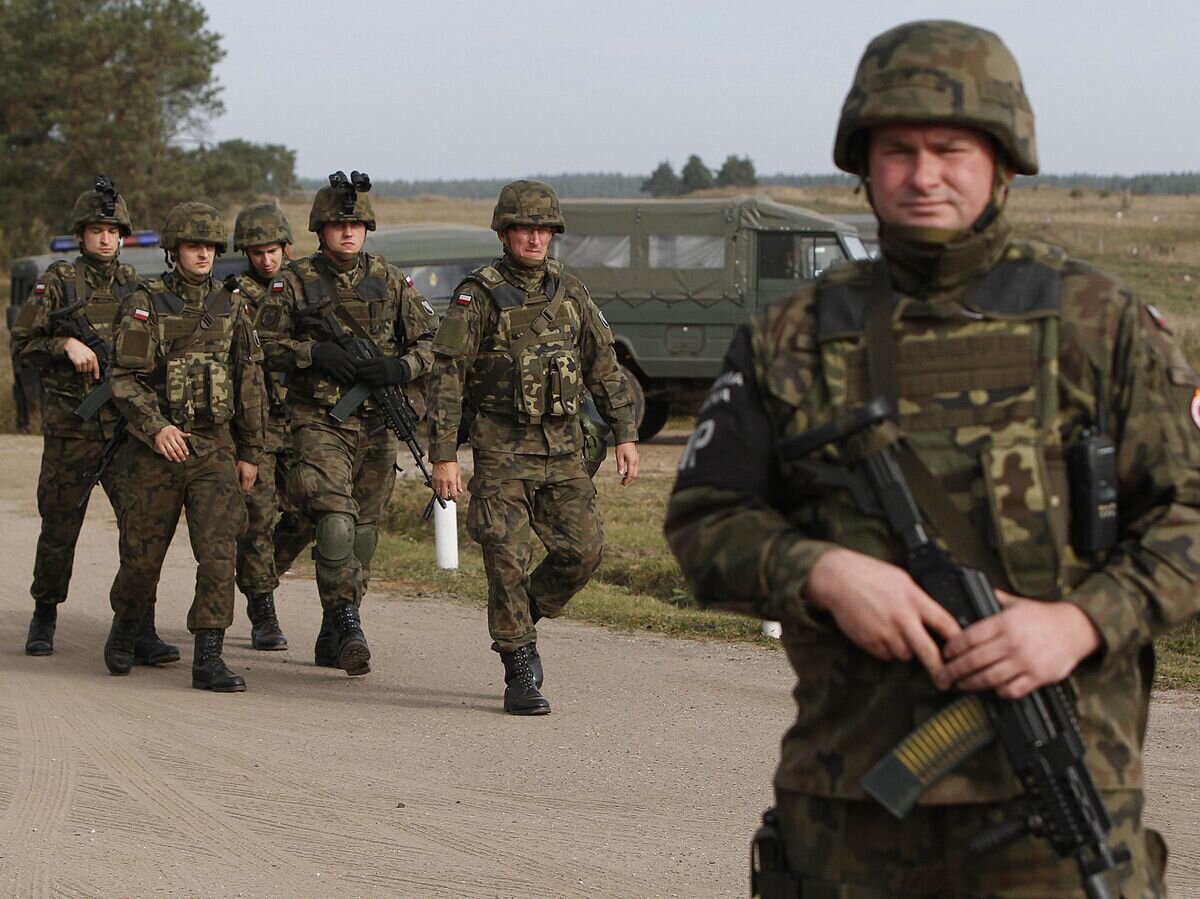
(207, 382)
(993, 379)
(254, 293)
(527, 406)
(380, 298)
(39, 340)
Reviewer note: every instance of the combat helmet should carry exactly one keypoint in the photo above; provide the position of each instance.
(526, 202)
(259, 225)
(343, 200)
(197, 222)
(101, 205)
(937, 71)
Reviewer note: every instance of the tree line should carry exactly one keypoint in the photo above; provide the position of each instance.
(122, 87)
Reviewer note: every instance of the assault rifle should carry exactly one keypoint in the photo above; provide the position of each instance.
(69, 322)
(1039, 733)
(397, 410)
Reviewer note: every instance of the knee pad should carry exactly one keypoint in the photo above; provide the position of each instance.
(335, 539)
(366, 538)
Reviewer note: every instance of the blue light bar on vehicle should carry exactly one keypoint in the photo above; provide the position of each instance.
(64, 243)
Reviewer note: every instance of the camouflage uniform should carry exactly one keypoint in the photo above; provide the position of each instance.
(186, 355)
(343, 476)
(257, 577)
(72, 447)
(995, 343)
(525, 431)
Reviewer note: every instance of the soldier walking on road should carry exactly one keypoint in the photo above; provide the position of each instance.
(263, 233)
(1003, 358)
(186, 375)
(73, 305)
(344, 472)
(521, 344)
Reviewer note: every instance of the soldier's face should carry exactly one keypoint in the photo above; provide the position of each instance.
(930, 176)
(266, 259)
(195, 258)
(527, 241)
(344, 237)
(101, 240)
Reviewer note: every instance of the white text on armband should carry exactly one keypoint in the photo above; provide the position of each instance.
(715, 396)
(701, 437)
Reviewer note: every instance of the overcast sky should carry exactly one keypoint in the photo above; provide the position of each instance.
(502, 89)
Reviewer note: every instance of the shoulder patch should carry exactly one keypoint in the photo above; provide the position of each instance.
(141, 314)
(600, 313)
(277, 286)
(39, 289)
(1160, 321)
(408, 280)
(463, 299)
(428, 309)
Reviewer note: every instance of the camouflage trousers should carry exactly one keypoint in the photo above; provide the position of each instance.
(341, 470)
(513, 497)
(255, 567)
(67, 467)
(856, 850)
(157, 490)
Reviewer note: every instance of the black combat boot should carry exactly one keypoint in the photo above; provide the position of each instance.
(118, 648)
(148, 647)
(353, 654)
(40, 641)
(325, 649)
(264, 624)
(208, 668)
(521, 695)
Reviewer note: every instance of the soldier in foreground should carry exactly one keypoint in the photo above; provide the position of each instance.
(344, 472)
(521, 343)
(186, 375)
(263, 234)
(1005, 357)
(73, 305)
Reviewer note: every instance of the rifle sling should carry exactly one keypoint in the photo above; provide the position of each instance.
(961, 537)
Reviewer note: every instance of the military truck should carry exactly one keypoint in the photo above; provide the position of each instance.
(674, 278)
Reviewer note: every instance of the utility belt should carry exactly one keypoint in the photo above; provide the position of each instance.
(771, 878)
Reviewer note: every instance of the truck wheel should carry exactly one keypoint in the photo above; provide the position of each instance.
(656, 415)
(639, 396)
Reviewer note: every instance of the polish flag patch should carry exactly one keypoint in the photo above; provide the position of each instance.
(276, 287)
(408, 280)
(1158, 318)
(141, 314)
(39, 289)
(463, 299)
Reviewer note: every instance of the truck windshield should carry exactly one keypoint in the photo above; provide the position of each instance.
(796, 257)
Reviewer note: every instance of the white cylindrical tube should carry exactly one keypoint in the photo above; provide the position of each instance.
(772, 629)
(445, 534)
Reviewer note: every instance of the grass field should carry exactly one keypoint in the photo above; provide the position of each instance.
(1151, 242)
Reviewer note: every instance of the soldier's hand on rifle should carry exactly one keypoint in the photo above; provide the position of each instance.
(880, 608)
(1028, 645)
(335, 362)
(446, 478)
(627, 462)
(172, 443)
(382, 371)
(82, 357)
(247, 474)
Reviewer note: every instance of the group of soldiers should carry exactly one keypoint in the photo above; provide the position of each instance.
(244, 406)
(1046, 419)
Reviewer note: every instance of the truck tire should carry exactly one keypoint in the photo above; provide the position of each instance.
(654, 418)
(639, 397)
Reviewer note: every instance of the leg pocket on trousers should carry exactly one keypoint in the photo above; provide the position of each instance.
(485, 514)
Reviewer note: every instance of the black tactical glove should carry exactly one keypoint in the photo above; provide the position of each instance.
(382, 371)
(335, 362)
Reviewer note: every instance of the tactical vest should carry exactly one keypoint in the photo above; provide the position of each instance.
(546, 377)
(197, 385)
(977, 390)
(99, 310)
(369, 302)
(245, 286)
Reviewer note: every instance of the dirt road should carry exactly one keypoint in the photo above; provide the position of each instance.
(645, 781)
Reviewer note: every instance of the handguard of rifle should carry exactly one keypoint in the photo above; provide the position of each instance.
(928, 754)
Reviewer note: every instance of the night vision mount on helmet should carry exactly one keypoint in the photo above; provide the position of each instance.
(343, 200)
(101, 205)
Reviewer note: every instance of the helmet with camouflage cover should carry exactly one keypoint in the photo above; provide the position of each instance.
(531, 203)
(333, 202)
(101, 205)
(938, 72)
(197, 222)
(259, 225)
